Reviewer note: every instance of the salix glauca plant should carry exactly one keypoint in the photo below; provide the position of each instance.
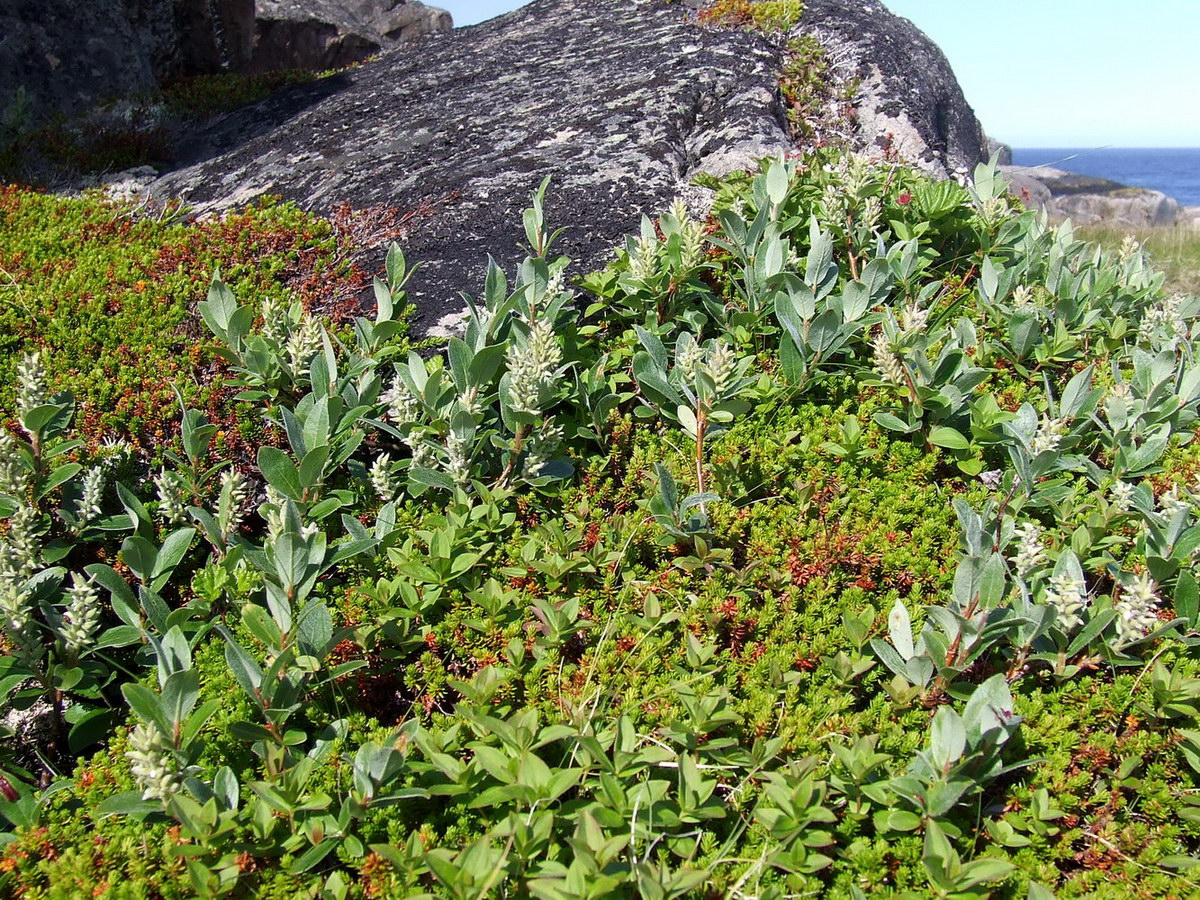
(489, 408)
(53, 618)
(818, 323)
(661, 280)
(698, 387)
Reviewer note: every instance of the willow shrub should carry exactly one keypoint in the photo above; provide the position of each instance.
(840, 543)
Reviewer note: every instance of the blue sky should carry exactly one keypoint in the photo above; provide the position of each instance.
(1052, 73)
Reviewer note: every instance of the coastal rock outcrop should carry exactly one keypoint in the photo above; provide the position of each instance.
(1088, 200)
(327, 34)
(621, 102)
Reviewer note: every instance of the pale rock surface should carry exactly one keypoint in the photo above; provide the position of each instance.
(909, 100)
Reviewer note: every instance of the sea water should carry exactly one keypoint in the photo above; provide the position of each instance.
(1173, 170)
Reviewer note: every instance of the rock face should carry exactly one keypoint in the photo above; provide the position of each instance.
(909, 99)
(1002, 151)
(621, 101)
(326, 34)
(71, 55)
(1087, 200)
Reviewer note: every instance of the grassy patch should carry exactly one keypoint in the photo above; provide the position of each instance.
(1175, 251)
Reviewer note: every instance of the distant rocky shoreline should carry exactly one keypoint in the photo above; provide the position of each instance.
(1089, 200)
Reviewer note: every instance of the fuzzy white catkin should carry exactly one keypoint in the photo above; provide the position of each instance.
(688, 360)
(1049, 435)
(1068, 597)
(22, 545)
(1031, 552)
(383, 480)
(153, 764)
(1136, 608)
(82, 616)
(275, 321)
(303, 343)
(913, 319)
(1122, 495)
(643, 261)
(457, 463)
(542, 448)
(18, 620)
(13, 480)
(531, 365)
(887, 362)
(402, 406)
(93, 494)
(721, 365)
(170, 497)
(1171, 503)
(235, 493)
(31, 383)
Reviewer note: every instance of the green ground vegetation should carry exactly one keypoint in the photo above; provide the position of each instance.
(840, 543)
(106, 294)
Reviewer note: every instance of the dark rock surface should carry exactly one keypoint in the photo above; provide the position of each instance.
(621, 101)
(327, 34)
(71, 54)
(908, 99)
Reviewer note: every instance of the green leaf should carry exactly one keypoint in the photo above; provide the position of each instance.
(777, 182)
(900, 629)
(146, 704)
(59, 476)
(90, 729)
(218, 309)
(1187, 598)
(892, 423)
(171, 554)
(245, 670)
(280, 472)
(140, 555)
(129, 803)
(950, 438)
(311, 857)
